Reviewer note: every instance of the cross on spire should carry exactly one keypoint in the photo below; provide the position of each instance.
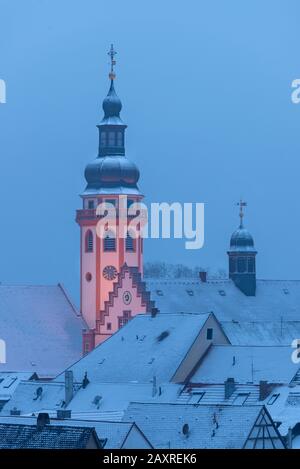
(112, 54)
(241, 204)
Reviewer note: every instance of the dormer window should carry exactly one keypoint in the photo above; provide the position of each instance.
(91, 204)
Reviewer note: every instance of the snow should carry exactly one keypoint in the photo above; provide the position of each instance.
(271, 317)
(115, 432)
(246, 365)
(41, 328)
(163, 424)
(136, 353)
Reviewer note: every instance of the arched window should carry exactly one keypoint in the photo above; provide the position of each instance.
(130, 243)
(109, 241)
(89, 241)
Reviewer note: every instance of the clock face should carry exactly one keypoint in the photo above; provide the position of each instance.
(110, 272)
(127, 297)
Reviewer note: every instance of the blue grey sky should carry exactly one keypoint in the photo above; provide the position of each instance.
(206, 89)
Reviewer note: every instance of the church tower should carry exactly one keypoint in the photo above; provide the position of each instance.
(111, 178)
(242, 265)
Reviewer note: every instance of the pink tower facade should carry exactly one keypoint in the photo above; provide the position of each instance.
(111, 287)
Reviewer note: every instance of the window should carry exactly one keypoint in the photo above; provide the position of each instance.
(130, 243)
(159, 293)
(89, 241)
(88, 276)
(119, 139)
(190, 292)
(272, 399)
(232, 264)
(109, 241)
(108, 327)
(124, 319)
(209, 333)
(129, 202)
(111, 139)
(222, 293)
(199, 396)
(251, 265)
(103, 139)
(241, 398)
(86, 347)
(241, 265)
(91, 204)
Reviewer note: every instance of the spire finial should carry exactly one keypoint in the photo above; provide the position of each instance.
(241, 204)
(112, 54)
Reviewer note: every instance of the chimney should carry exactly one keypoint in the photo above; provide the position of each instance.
(42, 420)
(68, 386)
(63, 414)
(203, 276)
(154, 312)
(263, 390)
(229, 387)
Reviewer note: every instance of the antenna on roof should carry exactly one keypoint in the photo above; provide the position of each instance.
(154, 386)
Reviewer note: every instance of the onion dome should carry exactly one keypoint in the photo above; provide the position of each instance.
(111, 172)
(241, 240)
(111, 104)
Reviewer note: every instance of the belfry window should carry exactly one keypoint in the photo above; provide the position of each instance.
(119, 139)
(232, 264)
(103, 139)
(109, 242)
(242, 265)
(251, 264)
(130, 243)
(111, 139)
(89, 241)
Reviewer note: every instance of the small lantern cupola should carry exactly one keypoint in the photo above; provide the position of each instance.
(112, 128)
(242, 253)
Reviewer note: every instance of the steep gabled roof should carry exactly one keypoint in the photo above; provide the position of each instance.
(271, 317)
(19, 436)
(198, 426)
(246, 365)
(41, 328)
(146, 347)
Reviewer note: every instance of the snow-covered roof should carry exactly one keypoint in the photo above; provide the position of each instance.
(111, 399)
(193, 426)
(246, 365)
(277, 303)
(41, 328)
(27, 398)
(261, 332)
(153, 346)
(115, 433)
(9, 383)
(100, 401)
(20, 436)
